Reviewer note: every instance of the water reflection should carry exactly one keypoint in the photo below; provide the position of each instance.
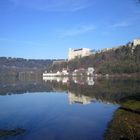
(79, 89)
(69, 107)
(77, 80)
(81, 99)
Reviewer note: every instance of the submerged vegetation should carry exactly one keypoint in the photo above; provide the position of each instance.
(14, 132)
(124, 126)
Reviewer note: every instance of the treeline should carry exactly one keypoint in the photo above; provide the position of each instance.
(23, 64)
(124, 59)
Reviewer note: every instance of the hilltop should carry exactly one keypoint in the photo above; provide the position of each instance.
(122, 59)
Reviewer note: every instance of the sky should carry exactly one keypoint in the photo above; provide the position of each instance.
(45, 29)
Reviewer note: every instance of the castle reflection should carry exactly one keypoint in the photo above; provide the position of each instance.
(124, 92)
(83, 90)
(72, 96)
(81, 99)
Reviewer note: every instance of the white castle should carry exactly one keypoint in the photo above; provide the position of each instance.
(79, 53)
(136, 42)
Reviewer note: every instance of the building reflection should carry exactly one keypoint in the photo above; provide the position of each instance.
(85, 90)
(81, 99)
(64, 80)
(90, 81)
(77, 80)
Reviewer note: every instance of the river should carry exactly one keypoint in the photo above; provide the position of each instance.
(32, 108)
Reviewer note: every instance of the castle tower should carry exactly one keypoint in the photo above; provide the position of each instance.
(136, 42)
(70, 54)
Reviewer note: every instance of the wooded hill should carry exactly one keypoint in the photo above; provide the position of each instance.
(124, 59)
(19, 64)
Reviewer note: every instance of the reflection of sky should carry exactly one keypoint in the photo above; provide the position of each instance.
(49, 116)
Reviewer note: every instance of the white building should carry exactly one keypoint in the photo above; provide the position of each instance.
(136, 42)
(65, 72)
(78, 53)
(90, 71)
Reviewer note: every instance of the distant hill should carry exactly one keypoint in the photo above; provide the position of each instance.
(19, 64)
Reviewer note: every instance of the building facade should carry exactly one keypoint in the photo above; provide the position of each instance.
(78, 53)
(136, 42)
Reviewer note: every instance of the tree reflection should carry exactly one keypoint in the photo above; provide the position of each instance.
(101, 89)
(125, 92)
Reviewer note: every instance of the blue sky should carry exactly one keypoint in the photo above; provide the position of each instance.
(45, 29)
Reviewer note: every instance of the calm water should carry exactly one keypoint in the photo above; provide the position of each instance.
(60, 109)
